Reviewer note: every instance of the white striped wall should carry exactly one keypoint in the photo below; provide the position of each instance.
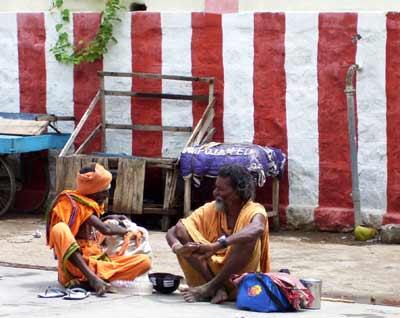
(59, 98)
(301, 50)
(371, 111)
(9, 71)
(118, 108)
(238, 54)
(301, 72)
(176, 57)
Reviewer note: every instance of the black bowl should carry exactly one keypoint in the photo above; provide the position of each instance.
(165, 283)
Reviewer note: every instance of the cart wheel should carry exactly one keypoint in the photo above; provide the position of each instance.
(7, 186)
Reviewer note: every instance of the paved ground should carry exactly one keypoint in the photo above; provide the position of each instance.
(363, 272)
(19, 289)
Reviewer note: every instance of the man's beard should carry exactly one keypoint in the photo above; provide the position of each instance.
(220, 205)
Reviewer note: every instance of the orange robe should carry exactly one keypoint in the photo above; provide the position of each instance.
(69, 212)
(206, 225)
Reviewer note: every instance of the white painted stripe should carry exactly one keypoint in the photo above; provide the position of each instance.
(176, 59)
(59, 76)
(9, 73)
(238, 60)
(118, 108)
(371, 109)
(301, 49)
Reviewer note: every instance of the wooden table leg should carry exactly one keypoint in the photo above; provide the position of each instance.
(275, 203)
(187, 196)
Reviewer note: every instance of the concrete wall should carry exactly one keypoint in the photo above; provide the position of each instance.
(213, 5)
(280, 81)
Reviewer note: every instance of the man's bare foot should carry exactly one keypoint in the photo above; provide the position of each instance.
(220, 296)
(99, 286)
(194, 294)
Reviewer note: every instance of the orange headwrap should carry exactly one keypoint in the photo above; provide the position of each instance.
(93, 182)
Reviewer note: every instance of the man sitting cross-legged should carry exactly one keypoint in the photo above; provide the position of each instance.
(71, 232)
(227, 236)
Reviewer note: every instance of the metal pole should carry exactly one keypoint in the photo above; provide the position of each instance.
(350, 94)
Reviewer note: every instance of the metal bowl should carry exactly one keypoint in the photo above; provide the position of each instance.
(165, 283)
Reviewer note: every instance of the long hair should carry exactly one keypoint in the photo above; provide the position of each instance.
(241, 180)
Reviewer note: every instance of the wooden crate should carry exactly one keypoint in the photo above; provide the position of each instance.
(128, 194)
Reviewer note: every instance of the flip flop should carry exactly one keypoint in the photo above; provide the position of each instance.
(52, 292)
(76, 293)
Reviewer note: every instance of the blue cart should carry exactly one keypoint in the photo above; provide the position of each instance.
(17, 144)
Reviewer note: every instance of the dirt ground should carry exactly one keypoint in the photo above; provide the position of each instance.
(358, 271)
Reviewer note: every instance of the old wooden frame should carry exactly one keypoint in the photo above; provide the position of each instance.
(202, 132)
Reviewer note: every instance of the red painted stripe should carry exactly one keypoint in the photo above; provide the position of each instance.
(32, 62)
(86, 80)
(393, 117)
(269, 94)
(221, 6)
(146, 57)
(336, 53)
(207, 61)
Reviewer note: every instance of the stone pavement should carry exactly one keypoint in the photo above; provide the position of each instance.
(19, 289)
(362, 272)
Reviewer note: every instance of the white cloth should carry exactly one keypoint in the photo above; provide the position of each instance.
(112, 243)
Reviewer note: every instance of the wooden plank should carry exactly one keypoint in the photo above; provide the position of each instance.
(88, 139)
(22, 127)
(66, 171)
(208, 137)
(60, 173)
(150, 127)
(46, 117)
(207, 124)
(200, 123)
(129, 186)
(78, 128)
(157, 76)
(155, 95)
(159, 210)
(167, 188)
(104, 163)
(102, 114)
(172, 199)
(65, 118)
(168, 162)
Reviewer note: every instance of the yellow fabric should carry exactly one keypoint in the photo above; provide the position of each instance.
(206, 225)
(61, 237)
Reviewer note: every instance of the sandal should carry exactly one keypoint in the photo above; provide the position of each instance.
(52, 292)
(76, 293)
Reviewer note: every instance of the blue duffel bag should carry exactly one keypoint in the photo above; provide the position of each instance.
(257, 292)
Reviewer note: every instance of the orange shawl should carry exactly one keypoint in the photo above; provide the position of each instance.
(65, 209)
(206, 225)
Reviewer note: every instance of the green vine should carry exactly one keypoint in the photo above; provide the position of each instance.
(65, 52)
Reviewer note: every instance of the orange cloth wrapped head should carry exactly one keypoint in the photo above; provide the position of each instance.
(93, 181)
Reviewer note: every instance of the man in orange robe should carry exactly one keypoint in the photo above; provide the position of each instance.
(71, 231)
(227, 236)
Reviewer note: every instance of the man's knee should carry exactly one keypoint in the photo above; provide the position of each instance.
(181, 233)
(59, 230)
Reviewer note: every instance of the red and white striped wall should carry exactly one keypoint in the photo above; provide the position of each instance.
(280, 80)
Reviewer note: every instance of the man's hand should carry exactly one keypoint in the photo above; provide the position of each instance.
(205, 251)
(185, 250)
